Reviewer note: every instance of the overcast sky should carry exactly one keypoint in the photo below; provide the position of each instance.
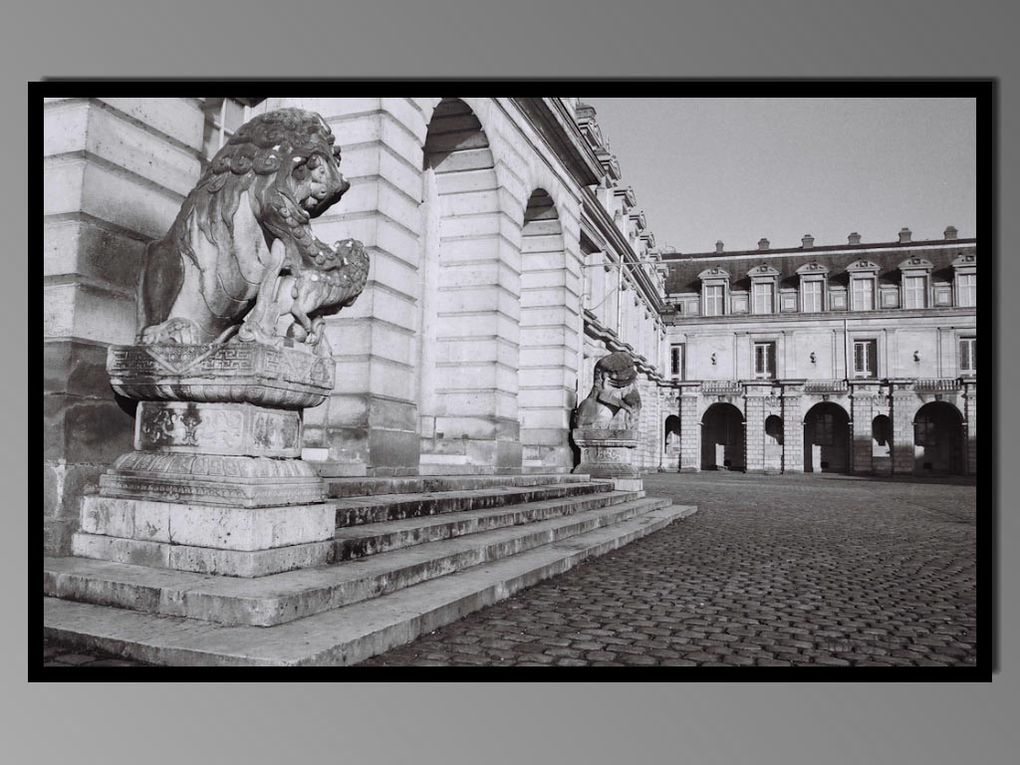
(742, 169)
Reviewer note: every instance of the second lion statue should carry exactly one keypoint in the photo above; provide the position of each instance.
(241, 257)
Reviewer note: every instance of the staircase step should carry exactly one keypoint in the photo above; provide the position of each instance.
(359, 541)
(391, 507)
(342, 636)
(280, 598)
(417, 484)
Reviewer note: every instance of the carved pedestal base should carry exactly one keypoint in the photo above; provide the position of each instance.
(607, 453)
(216, 483)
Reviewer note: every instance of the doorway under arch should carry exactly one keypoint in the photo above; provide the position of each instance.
(938, 439)
(826, 439)
(722, 438)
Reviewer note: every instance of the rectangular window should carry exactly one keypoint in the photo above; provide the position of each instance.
(223, 116)
(713, 300)
(765, 360)
(968, 357)
(865, 358)
(967, 290)
(812, 297)
(762, 297)
(676, 361)
(863, 295)
(914, 289)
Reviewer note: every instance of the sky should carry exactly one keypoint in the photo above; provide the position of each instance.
(745, 168)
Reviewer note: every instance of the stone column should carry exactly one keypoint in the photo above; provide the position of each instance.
(115, 173)
(863, 397)
(793, 429)
(690, 431)
(904, 404)
(754, 428)
(970, 412)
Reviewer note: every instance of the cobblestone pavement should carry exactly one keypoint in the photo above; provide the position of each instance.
(771, 571)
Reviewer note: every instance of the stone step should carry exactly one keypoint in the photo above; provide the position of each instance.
(343, 636)
(280, 598)
(362, 540)
(354, 511)
(417, 484)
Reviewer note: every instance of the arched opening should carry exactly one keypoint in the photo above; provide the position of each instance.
(881, 444)
(826, 439)
(672, 437)
(467, 398)
(547, 337)
(722, 438)
(772, 451)
(938, 439)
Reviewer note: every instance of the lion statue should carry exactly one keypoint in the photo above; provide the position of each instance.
(241, 258)
(614, 402)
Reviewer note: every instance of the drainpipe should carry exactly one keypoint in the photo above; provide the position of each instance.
(846, 351)
(619, 301)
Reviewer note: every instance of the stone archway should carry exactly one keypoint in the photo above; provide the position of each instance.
(938, 439)
(546, 383)
(722, 438)
(826, 439)
(468, 341)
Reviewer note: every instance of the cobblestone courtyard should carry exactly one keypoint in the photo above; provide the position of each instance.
(771, 571)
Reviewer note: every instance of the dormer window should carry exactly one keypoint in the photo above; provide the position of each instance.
(915, 282)
(965, 280)
(715, 286)
(863, 275)
(813, 277)
(764, 280)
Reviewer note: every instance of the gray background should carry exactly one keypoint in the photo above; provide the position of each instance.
(494, 723)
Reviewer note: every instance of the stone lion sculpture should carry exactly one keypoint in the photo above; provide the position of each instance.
(241, 258)
(614, 402)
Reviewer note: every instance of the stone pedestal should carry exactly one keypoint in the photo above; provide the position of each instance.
(215, 483)
(609, 453)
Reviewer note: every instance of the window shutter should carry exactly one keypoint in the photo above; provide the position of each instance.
(873, 359)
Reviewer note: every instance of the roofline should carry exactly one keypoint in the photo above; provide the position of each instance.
(674, 256)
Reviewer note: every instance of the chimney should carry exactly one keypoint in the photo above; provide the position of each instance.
(854, 238)
(951, 232)
(807, 241)
(763, 244)
(719, 246)
(905, 235)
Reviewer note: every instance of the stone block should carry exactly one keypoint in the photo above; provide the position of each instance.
(84, 430)
(224, 528)
(88, 312)
(108, 516)
(130, 551)
(75, 367)
(393, 448)
(131, 204)
(178, 118)
(393, 415)
(128, 145)
(204, 560)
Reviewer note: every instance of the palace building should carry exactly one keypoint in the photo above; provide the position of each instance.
(853, 358)
(508, 256)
